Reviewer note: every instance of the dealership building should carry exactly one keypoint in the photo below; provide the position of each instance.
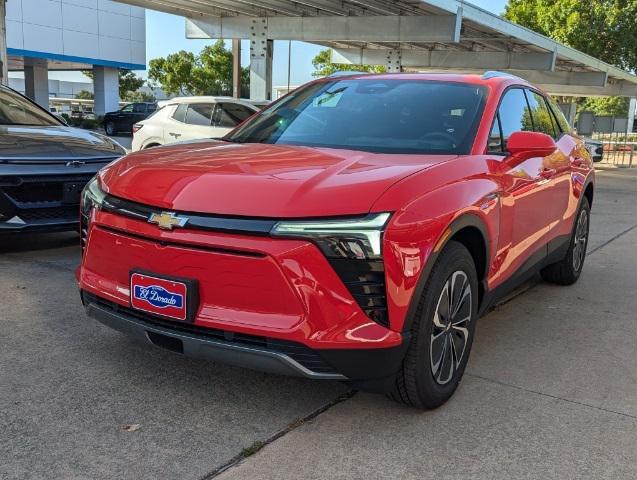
(99, 35)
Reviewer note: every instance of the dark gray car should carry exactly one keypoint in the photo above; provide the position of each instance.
(44, 165)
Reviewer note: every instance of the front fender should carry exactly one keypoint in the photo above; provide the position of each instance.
(418, 232)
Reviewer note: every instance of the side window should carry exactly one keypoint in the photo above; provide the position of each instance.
(139, 108)
(495, 137)
(564, 127)
(199, 114)
(514, 114)
(180, 112)
(151, 107)
(128, 108)
(542, 117)
(231, 114)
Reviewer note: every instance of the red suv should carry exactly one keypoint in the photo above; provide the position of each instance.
(354, 230)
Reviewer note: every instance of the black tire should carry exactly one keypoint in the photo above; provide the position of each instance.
(568, 270)
(418, 383)
(109, 128)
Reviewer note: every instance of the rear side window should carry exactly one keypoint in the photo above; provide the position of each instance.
(231, 114)
(180, 112)
(543, 120)
(139, 108)
(199, 114)
(514, 114)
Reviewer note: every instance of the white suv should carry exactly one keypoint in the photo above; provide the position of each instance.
(190, 118)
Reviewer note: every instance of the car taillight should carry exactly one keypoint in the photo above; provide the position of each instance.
(137, 127)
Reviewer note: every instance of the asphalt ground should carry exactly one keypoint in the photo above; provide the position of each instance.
(550, 391)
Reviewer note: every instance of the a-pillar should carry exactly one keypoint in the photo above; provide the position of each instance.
(106, 89)
(36, 81)
(260, 61)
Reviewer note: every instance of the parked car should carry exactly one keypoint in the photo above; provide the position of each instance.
(44, 165)
(189, 118)
(353, 231)
(595, 148)
(124, 119)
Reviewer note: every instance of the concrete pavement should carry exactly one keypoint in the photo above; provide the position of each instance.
(550, 391)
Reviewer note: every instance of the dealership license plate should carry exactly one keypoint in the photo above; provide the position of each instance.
(162, 296)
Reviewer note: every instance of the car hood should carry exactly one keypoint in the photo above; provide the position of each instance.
(54, 144)
(259, 180)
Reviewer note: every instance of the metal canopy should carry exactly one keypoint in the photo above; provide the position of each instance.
(414, 35)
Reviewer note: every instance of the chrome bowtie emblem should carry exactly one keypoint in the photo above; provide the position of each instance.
(167, 220)
(75, 163)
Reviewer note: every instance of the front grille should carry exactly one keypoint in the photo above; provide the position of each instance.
(54, 213)
(365, 280)
(296, 351)
(37, 189)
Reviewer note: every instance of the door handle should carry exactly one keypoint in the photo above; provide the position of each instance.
(176, 135)
(548, 172)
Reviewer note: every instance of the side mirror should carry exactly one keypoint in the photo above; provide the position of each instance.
(523, 145)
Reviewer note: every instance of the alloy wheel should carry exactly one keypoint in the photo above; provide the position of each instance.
(450, 332)
(580, 240)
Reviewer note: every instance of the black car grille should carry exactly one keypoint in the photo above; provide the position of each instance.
(53, 213)
(296, 351)
(41, 198)
(365, 280)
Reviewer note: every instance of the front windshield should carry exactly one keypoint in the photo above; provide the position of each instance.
(374, 115)
(16, 110)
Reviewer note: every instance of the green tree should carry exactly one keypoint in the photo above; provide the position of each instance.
(139, 96)
(605, 29)
(84, 95)
(208, 73)
(323, 65)
(128, 81)
(613, 106)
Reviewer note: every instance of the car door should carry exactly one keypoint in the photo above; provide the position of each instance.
(557, 166)
(122, 117)
(525, 193)
(230, 114)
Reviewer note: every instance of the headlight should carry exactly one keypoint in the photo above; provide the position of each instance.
(357, 238)
(92, 196)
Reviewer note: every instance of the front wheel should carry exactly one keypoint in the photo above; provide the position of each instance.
(568, 270)
(442, 332)
(110, 129)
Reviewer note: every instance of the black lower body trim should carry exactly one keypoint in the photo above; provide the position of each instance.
(368, 369)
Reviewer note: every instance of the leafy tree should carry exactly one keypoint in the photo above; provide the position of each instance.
(128, 81)
(84, 95)
(613, 106)
(208, 73)
(605, 29)
(323, 65)
(139, 96)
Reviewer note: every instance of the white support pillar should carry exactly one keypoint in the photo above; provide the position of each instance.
(4, 62)
(631, 113)
(260, 61)
(36, 81)
(106, 88)
(394, 61)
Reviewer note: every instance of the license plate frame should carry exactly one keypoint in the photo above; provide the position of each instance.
(172, 287)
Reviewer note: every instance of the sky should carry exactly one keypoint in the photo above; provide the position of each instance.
(165, 34)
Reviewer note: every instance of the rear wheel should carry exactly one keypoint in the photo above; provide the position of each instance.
(568, 270)
(442, 332)
(110, 129)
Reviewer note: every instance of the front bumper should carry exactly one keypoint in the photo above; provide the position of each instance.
(371, 369)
